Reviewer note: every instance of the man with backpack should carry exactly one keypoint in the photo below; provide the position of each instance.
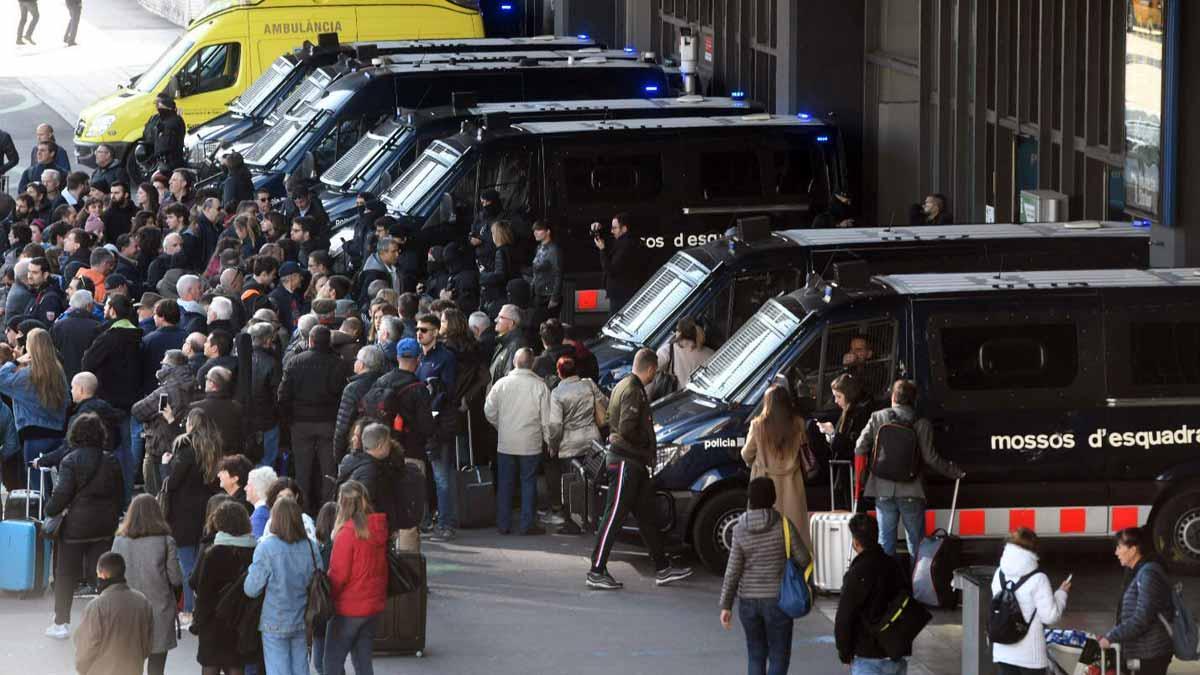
(894, 448)
(871, 585)
(1022, 603)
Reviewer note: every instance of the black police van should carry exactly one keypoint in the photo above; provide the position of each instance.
(683, 180)
(1067, 396)
(312, 138)
(286, 83)
(722, 283)
(377, 160)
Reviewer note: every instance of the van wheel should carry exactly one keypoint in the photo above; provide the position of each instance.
(712, 533)
(1176, 530)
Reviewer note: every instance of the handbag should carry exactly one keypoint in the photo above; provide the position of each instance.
(903, 620)
(52, 526)
(177, 591)
(401, 578)
(164, 500)
(664, 381)
(319, 606)
(795, 591)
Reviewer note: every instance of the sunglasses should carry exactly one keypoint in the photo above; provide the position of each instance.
(424, 330)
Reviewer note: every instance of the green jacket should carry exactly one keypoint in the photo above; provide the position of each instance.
(631, 427)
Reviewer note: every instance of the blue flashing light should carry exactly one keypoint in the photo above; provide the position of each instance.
(822, 139)
(506, 7)
(630, 50)
(804, 116)
(737, 95)
(583, 36)
(652, 88)
(1142, 223)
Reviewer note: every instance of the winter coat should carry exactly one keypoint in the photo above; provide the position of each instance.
(546, 365)
(358, 569)
(165, 131)
(159, 434)
(404, 396)
(462, 277)
(869, 586)
(882, 487)
(1040, 604)
(571, 425)
(187, 493)
(49, 302)
(547, 273)
(494, 282)
(72, 335)
(390, 487)
(1146, 595)
(237, 186)
(683, 360)
(221, 564)
(227, 414)
(848, 428)
(28, 410)
(19, 299)
(152, 567)
(631, 427)
(623, 262)
(757, 556)
(115, 360)
(267, 372)
(115, 634)
(506, 348)
(312, 386)
(519, 407)
(228, 362)
(154, 347)
(90, 485)
(347, 410)
(281, 572)
(790, 497)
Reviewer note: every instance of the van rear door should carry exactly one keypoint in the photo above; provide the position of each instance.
(1013, 385)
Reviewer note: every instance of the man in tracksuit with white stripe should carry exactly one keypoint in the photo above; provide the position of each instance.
(632, 450)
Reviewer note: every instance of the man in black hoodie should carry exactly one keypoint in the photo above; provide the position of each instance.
(872, 582)
(462, 278)
(552, 334)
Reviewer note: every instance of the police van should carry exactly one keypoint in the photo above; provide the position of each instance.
(722, 283)
(1067, 396)
(382, 154)
(683, 180)
(309, 140)
(258, 106)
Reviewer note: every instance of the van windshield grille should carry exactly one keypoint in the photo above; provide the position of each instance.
(657, 301)
(308, 91)
(420, 178)
(743, 354)
(355, 161)
(262, 88)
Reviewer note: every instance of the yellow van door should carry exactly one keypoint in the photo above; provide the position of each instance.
(212, 76)
(413, 22)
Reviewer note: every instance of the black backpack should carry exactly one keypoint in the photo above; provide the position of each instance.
(897, 455)
(1006, 622)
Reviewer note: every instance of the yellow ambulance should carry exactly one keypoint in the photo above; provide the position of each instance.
(234, 41)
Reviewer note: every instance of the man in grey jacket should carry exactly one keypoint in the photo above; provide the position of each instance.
(902, 500)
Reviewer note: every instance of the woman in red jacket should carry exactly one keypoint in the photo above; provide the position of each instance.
(358, 577)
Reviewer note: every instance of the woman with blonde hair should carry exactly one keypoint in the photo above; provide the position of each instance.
(685, 351)
(358, 579)
(494, 282)
(191, 478)
(777, 447)
(37, 385)
(151, 567)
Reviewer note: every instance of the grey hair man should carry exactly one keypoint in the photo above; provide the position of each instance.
(370, 364)
(518, 405)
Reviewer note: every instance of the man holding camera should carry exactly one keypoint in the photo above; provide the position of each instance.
(622, 260)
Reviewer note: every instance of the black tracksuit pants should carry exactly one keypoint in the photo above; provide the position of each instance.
(629, 489)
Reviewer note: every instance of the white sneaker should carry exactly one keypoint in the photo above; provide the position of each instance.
(59, 631)
(553, 518)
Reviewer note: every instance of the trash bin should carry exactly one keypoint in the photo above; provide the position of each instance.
(975, 582)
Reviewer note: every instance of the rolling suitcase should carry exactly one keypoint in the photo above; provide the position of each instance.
(401, 627)
(25, 553)
(933, 567)
(476, 492)
(832, 543)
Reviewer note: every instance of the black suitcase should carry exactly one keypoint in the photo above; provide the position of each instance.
(22, 505)
(934, 563)
(401, 627)
(476, 493)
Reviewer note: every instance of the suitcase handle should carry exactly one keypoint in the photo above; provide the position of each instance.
(41, 491)
(853, 500)
(953, 507)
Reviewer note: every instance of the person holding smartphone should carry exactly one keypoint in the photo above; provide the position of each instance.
(1040, 604)
(855, 407)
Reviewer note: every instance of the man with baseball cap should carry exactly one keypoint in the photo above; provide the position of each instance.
(286, 296)
(400, 400)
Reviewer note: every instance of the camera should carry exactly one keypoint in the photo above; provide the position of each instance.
(596, 229)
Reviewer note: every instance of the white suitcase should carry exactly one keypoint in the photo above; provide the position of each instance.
(831, 539)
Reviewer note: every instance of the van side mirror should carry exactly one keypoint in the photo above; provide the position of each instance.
(175, 87)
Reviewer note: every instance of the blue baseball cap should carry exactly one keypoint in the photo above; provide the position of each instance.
(288, 268)
(408, 348)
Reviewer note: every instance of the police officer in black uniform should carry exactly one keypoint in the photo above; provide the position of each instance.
(163, 135)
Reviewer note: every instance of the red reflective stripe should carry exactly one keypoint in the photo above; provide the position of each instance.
(1123, 517)
(930, 522)
(971, 523)
(587, 300)
(1018, 518)
(1072, 520)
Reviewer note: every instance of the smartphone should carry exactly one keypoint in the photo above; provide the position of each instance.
(163, 401)
(1069, 578)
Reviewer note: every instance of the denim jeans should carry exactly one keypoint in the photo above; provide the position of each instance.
(892, 510)
(270, 447)
(351, 635)
(1009, 669)
(768, 635)
(318, 648)
(862, 666)
(285, 654)
(511, 468)
(124, 457)
(34, 448)
(187, 561)
(443, 459)
(137, 444)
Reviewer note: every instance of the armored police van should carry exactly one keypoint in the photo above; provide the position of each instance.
(312, 138)
(683, 180)
(1068, 397)
(258, 105)
(387, 150)
(722, 283)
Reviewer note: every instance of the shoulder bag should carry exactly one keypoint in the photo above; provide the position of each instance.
(52, 526)
(795, 593)
(319, 606)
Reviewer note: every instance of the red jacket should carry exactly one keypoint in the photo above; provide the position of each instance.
(358, 569)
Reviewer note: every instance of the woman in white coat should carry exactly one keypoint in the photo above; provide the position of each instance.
(1040, 605)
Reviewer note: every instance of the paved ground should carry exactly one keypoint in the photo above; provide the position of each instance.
(508, 605)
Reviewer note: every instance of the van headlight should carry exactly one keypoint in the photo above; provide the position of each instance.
(668, 454)
(100, 125)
